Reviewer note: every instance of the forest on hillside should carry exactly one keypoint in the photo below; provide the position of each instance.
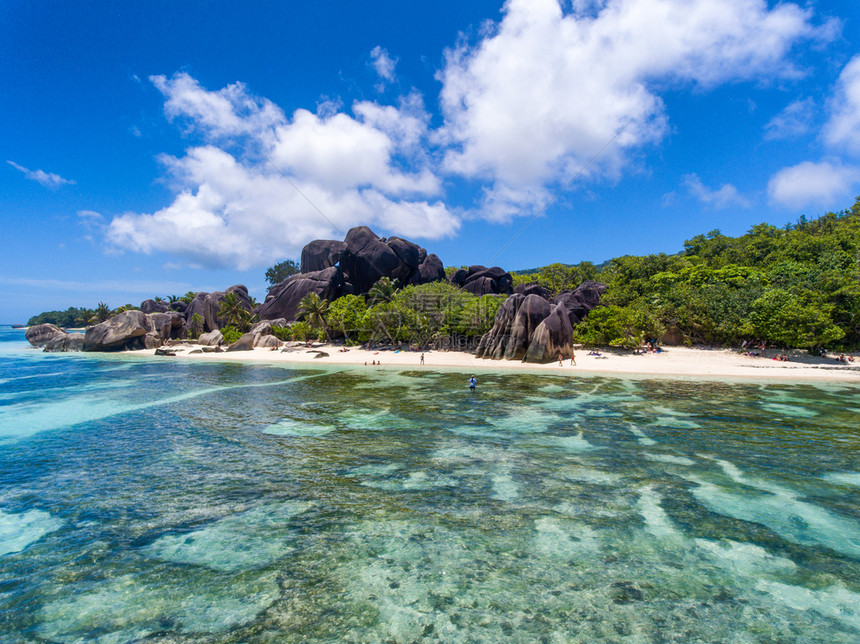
(797, 286)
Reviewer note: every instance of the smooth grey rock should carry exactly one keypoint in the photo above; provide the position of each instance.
(43, 334)
(245, 343)
(284, 298)
(152, 341)
(207, 306)
(320, 254)
(151, 306)
(493, 343)
(530, 314)
(580, 301)
(166, 325)
(267, 341)
(552, 337)
(429, 270)
(480, 280)
(66, 342)
(533, 288)
(211, 339)
(367, 259)
(117, 333)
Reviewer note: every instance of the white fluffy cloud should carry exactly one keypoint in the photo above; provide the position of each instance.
(724, 197)
(794, 120)
(532, 102)
(825, 184)
(48, 179)
(843, 129)
(555, 90)
(262, 185)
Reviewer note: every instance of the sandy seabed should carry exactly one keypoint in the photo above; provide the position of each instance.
(670, 362)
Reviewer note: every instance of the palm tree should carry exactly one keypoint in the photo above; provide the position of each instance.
(101, 313)
(383, 291)
(84, 316)
(315, 309)
(233, 312)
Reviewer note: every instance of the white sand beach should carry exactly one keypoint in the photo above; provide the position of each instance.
(671, 361)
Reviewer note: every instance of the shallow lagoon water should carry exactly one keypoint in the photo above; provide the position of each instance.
(172, 502)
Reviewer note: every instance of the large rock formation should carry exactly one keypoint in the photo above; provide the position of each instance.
(134, 330)
(333, 268)
(529, 315)
(532, 329)
(211, 339)
(43, 334)
(65, 342)
(207, 305)
(533, 288)
(552, 338)
(321, 254)
(429, 270)
(151, 306)
(367, 259)
(480, 280)
(166, 325)
(120, 332)
(284, 298)
(579, 302)
(54, 339)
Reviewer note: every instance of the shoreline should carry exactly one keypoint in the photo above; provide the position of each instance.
(672, 362)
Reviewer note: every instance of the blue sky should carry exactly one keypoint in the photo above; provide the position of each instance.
(162, 147)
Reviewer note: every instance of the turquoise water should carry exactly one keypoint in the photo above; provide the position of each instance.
(171, 502)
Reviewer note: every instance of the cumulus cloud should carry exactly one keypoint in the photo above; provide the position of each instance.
(825, 184)
(843, 129)
(48, 179)
(795, 120)
(229, 112)
(262, 185)
(534, 100)
(725, 196)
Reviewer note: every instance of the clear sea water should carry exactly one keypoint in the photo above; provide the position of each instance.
(163, 501)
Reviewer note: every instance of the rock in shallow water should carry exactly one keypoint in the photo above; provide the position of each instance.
(43, 334)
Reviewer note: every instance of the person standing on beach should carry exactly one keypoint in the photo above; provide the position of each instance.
(422, 358)
(572, 359)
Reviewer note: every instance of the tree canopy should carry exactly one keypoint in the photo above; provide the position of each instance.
(796, 286)
(281, 271)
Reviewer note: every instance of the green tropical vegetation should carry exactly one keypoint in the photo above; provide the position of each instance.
(314, 310)
(796, 286)
(382, 292)
(230, 334)
(281, 271)
(234, 313)
(434, 314)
